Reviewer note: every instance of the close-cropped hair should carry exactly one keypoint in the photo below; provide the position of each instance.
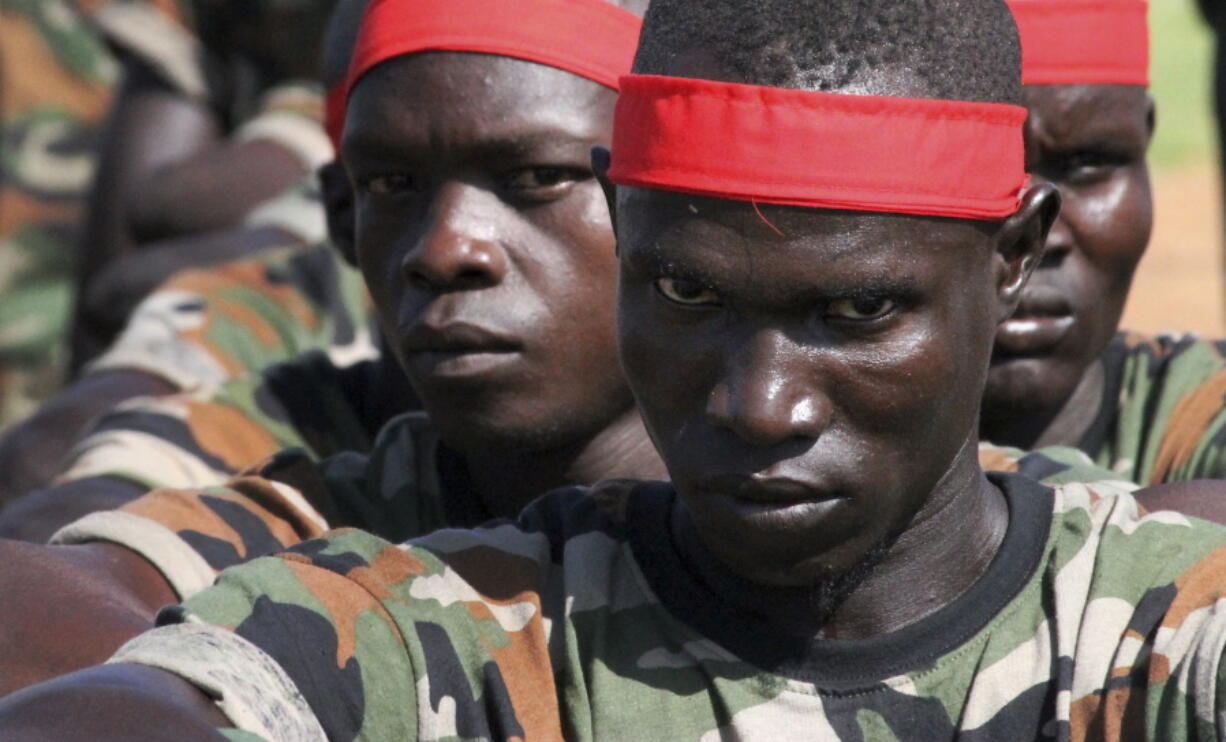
(958, 49)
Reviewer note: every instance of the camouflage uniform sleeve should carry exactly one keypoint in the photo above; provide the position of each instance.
(193, 439)
(191, 535)
(203, 327)
(156, 34)
(1186, 436)
(291, 115)
(378, 641)
(1050, 465)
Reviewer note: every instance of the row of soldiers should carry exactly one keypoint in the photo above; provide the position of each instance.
(765, 286)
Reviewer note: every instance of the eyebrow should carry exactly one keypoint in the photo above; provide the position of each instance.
(870, 286)
(371, 141)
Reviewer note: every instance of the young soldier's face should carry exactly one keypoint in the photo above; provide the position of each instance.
(1090, 141)
(486, 244)
(807, 390)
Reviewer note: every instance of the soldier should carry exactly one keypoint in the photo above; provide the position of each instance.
(219, 111)
(828, 560)
(1148, 408)
(202, 328)
(499, 302)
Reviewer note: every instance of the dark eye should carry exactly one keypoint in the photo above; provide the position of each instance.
(860, 310)
(1088, 166)
(542, 182)
(393, 184)
(686, 293)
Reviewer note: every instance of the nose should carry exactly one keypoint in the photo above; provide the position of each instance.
(770, 393)
(459, 249)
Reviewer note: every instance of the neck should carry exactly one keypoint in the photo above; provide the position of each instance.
(946, 547)
(1060, 424)
(506, 481)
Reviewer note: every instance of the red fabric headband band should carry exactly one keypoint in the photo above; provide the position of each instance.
(590, 38)
(822, 150)
(1068, 42)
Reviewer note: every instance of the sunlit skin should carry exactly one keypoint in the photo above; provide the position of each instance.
(813, 394)
(1090, 141)
(485, 241)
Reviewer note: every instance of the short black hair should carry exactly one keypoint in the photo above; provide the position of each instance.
(954, 49)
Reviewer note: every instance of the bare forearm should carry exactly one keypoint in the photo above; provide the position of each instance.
(112, 703)
(213, 190)
(149, 127)
(69, 607)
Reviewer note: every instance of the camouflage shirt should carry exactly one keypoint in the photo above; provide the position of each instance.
(56, 80)
(1162, 417)
(408, 485)
(579, 621)
(202, 438)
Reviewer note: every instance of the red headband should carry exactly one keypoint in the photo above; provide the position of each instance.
(590, 38)
(822, 150)
(1068, 42)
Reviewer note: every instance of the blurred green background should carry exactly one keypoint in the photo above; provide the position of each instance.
(1181, 74)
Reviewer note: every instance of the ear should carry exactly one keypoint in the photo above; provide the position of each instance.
(338, 206)
(1151, 118)
(1020, 242)
(601, 161)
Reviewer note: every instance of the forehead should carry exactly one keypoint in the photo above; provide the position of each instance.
(741, 240)
(458, 96)
(1065, 110)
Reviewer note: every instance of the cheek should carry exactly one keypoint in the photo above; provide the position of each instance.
(924, 385)
(663, 365)
(1112, 226)
(380, 267)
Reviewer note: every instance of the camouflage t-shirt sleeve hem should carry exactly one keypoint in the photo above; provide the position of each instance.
(166, 47)
(182, 566)
(249, 686)
(123, 357)
(139, 457)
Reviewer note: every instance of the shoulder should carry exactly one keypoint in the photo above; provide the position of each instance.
(1104, 539)
(1050, 465)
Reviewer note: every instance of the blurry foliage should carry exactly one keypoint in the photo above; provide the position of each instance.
(1182, 74)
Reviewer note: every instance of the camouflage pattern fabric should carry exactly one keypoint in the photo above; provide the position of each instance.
(405, 487)
(157, 34)
(1050, 465)
(56, 80)
(204, 327)
(1162, 417)
(198, 439)
(1096, 621)
(196, 523)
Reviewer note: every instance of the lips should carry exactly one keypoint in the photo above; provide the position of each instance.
(457, 349)
(768, 507)
(1042, 320)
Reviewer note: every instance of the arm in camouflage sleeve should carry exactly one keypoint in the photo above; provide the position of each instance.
(339, 665)
(191, 535)
(31, 452)
(180, 441)
(121, 566)
(115, 292)
(198, 330)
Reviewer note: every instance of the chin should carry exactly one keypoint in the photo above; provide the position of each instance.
(1026, 383)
